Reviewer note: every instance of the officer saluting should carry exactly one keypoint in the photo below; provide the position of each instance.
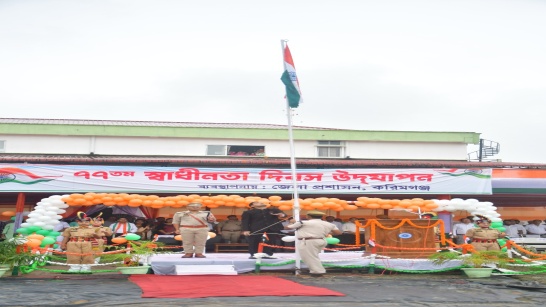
(484, 238)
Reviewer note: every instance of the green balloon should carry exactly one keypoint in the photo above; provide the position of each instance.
(501, 229)
(33, 228)
(48, 240)
(332, 240)
(54, 234)
(501, 242)
(23, 231)
(496, 224)
(43, 232)
(132, 237)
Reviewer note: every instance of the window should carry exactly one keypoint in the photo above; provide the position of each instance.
(235, 150)
(330, 149)
(2, 146)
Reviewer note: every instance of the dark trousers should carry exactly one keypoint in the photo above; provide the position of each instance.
(255, 240)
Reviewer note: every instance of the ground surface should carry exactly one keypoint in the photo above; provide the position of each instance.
(111, 289)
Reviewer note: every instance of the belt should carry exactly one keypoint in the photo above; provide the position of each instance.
(81, 239)
(192, 226)
(231, 230)
(310, 238)
(484, 241)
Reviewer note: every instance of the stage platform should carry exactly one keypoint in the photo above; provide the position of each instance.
(165, 264)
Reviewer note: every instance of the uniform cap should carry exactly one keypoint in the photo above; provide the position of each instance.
(315, 212)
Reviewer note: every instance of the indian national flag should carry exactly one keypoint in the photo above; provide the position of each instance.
(290, 80)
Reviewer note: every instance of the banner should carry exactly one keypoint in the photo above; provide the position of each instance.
(141, 179)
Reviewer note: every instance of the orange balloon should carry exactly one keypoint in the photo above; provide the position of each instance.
(212, 235)
(373, 206)
(275, 198)
(8, 213)
(285, 208)
(386, 206)
(119, 240)
(178, 237)
(33, 243)
(36, 237)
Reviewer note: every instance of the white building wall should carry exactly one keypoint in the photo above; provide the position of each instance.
(147, 146)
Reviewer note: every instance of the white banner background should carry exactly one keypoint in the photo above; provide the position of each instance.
(140, 179)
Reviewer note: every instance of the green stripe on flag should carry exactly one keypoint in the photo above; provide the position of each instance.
(292, 93)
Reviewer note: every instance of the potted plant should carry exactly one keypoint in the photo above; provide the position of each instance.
(478, 263)
(136, 260)
(13, 254)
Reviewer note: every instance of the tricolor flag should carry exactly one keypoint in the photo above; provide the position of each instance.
(290, 80)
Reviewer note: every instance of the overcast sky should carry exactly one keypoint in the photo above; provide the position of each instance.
(429, 65)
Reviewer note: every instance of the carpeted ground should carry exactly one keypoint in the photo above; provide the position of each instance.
(161, 286)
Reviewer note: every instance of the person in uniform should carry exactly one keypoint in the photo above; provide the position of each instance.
(192, 225)
(102, 233)
(310, 240)
(230, 229)
(77, 241)
(259, 220)
(484, 238)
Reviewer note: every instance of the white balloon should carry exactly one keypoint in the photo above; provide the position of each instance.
(34, 214)
(289, 238)
(50, 213)
(40, 210)
(457, 201)
(444, 202)
(44, 218)
(496, 219)
(23, 225)
(60, 211)
(449, 208)
(472, 200)
(52, 222)
(32, 220)
(58, 217)
(48, 227)
(63, 206)
(55, 197)
(41, 224)
(57, 202)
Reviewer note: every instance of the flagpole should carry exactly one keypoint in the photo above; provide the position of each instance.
(296, 207)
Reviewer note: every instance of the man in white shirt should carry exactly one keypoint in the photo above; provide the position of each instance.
(460, 229)
(535, 228)
(512, 230)
(350, 226)
(122, 227)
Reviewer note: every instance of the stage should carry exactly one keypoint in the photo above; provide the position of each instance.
(165, 264)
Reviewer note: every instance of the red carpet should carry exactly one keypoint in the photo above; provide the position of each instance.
(169, 286)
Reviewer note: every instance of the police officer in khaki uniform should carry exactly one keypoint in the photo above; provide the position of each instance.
(193, 226)
(310, 240)
(230, 229)
(102, 236)
(484, 238)
(77, 241)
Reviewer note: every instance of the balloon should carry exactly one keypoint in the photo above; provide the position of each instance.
(34, 228)
(43, 232)
(132, 237)
(54, 234)
(119, 240)
(212, 235)
(289, 239)
(178, 237)
(48, 227)
(332, 240)
(48, 240)
(496, 224)
(501, 229)
(36, 237)
(8, 213)
(23, 231)
(33, 243)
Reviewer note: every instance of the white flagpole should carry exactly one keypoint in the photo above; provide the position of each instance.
(296, 208)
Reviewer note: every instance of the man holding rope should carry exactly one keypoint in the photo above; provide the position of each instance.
(261, 223)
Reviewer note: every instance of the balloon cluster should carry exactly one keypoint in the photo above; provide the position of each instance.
(38, 228)
(472, 206)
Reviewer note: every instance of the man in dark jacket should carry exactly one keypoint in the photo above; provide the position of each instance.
(259, 220)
